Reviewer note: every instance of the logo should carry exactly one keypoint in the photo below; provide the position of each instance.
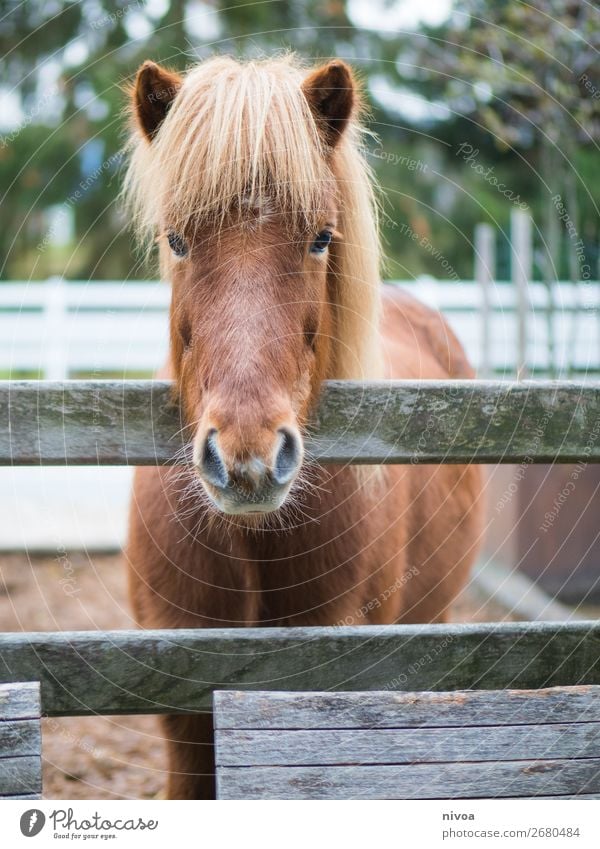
(32, 822)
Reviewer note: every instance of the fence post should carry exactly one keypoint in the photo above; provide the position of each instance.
(521, 268)
(485, 273)
(55, 360)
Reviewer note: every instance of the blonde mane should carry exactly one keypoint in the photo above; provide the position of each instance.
(245, 130)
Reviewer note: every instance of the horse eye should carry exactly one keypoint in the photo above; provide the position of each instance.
(321, 243)
(177, 244)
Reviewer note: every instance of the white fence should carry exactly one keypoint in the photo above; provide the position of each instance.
(57, 329)
(60, 329)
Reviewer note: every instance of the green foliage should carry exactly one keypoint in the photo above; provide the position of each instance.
(519, 82)
(527, 74)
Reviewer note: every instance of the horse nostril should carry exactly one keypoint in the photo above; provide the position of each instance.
(288, 457)
(211, 465)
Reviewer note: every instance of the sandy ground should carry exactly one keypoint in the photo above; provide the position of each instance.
(104, 757)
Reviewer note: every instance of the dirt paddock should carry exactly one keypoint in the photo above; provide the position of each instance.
(105, 757)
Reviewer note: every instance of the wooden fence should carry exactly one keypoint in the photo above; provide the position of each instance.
(129, 672)
(401, 422)
(136, 423)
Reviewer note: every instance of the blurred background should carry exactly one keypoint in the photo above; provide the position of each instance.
(515, 85)
(486, 125)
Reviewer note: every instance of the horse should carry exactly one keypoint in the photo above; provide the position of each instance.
(252, 177)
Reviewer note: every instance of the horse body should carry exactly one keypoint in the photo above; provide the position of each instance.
(340, 562)
(259, 318)
(397, 549)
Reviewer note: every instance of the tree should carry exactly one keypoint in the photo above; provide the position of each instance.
(527, 72)
(66, 66)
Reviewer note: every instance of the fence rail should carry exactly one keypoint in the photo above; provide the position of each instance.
(176, 671)
(137, 423)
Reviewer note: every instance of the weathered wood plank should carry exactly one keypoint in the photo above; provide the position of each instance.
(134, 422)
(435, 745)
(256, 710)
(18, 738)
(87, 422)
(20, 776)
(555, 798)
(23, 796)
(419, 781)
(177, 671)
(405, 746)
(19, 700)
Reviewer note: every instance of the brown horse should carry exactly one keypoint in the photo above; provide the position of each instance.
(252, 174)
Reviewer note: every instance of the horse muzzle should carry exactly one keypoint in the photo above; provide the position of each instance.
(248, 482)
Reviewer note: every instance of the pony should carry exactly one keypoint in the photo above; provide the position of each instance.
(251, 175)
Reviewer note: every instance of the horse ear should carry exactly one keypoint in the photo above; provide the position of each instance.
(153, 92)
(331, 94)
